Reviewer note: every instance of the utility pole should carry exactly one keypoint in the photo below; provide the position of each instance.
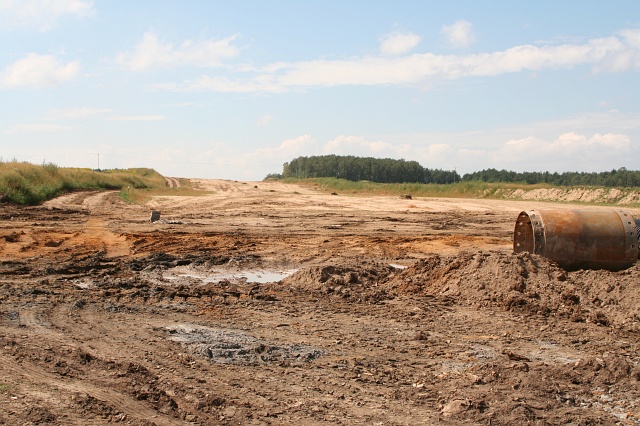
(98, 161)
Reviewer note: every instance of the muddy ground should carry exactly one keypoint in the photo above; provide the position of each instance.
(272, 304)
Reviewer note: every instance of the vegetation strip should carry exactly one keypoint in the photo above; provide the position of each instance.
(29, 184)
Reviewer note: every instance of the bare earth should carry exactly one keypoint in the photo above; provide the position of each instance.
(265, 303)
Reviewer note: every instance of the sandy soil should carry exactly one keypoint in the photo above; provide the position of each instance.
(273, 304)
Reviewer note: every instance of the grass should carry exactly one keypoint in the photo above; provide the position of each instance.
(30, 184)
(142, 195)
(455, 190)
(467, 189)
(4, 388)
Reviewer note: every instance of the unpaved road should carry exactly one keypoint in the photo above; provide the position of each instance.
(173, 182)
(393, 312)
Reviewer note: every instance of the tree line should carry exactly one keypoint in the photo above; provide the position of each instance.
(388, 170)
(385, 170)
(618, 178)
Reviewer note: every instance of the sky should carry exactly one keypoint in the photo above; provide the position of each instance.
(234, 89)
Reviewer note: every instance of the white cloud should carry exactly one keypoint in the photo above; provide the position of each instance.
(468, 152)
(568, 145)
(398, 43)
(433, 156)
(138, 118)
(567, 151)
(617, 53)
(439, 153)
(38, 128)
(183, 105)
(354, 145)
(261, 84)
(360, 146)
(152, 53)
(287, 150)
(264, 120)
(171, 154)
(612, 141)
(76, 113)
(622, 58)
(473, 160)
(631, 37)
(38, 71)
(588, 142)
(261, 161)
(459, 34)
(40, 14)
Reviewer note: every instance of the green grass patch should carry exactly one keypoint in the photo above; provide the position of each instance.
(30, 184)
(4, 388)
(465, 189)
(453, 190)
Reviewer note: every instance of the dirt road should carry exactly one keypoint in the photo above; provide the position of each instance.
(272, 304)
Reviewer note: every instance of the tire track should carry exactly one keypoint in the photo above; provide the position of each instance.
(31, 373)
(173, 182)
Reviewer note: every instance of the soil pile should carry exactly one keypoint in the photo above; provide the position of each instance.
(358, 282)
(529, 284)
(583, 195)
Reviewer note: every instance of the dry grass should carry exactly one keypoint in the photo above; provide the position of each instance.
(141, 196)
(454, 190)
(30, 184)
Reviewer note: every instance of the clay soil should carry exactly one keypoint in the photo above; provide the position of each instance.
(273, 304)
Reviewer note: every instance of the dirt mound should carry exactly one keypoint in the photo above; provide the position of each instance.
(355, 282)
(526, 283)
(615, 196)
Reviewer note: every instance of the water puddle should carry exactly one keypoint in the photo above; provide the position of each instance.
(249, 276)
(397, 266)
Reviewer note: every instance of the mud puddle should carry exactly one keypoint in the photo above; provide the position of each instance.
(260, 276)
(223, 346)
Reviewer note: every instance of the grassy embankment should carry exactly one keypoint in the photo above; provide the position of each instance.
(29, 184)
(457, 190)
(140, 195)
(629, 197)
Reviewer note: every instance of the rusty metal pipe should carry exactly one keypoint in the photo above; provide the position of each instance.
(579, 239)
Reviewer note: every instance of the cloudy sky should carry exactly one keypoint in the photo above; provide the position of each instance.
(233, 89)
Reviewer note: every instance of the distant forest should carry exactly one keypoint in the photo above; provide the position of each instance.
(620, 178)
(400, 171)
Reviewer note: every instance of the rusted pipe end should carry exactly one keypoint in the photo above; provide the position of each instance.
(579, 239)
(529, 233)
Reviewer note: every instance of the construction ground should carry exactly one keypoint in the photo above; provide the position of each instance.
(266, 303)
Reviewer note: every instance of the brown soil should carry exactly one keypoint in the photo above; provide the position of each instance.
(395, 311)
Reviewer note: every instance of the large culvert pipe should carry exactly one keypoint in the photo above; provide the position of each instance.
(579, 239)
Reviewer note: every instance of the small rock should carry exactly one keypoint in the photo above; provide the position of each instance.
(456, 406)
(515, 357)
(421, 335)
(229, 412)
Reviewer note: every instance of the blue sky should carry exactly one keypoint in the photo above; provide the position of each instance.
(232, 90)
